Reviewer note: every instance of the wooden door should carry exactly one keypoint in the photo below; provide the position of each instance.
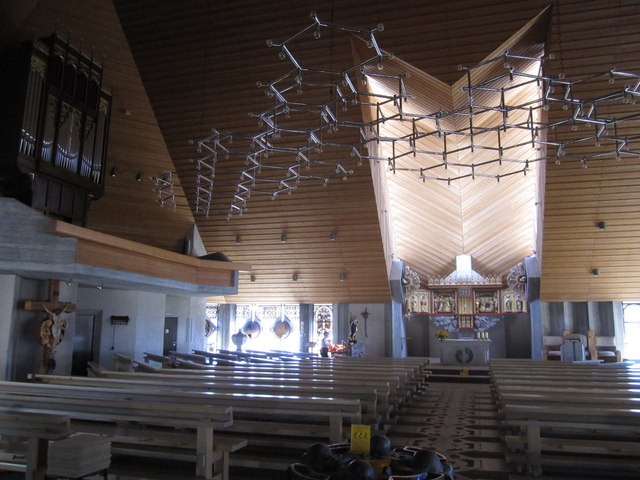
(170, 335)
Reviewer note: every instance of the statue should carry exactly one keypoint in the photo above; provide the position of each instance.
(53, 327)
(353, 329)
(52, 330)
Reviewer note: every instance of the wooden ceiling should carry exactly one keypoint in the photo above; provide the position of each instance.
(183, 68)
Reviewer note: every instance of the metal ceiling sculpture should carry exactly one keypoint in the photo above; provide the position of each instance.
(297, 137)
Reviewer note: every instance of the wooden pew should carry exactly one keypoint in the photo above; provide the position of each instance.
(101, 412)
(603, 424)
(413, 373)
(368, 396)
(163, 360)
(374, 394)
(563, 411)
(266, 421)
(38, 428)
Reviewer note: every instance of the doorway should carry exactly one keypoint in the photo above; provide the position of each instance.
(85, 343)
(170, 335)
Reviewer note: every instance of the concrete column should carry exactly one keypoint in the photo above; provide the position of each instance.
(593, 317)
(307, 325)
(568, 316)
(7, 311)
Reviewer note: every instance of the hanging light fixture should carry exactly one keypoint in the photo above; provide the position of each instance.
(297, 130)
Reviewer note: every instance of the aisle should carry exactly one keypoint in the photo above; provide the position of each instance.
(460, 421)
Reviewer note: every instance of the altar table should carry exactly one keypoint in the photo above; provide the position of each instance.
(464, 352)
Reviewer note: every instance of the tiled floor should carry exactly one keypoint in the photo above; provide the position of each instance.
(458, 420)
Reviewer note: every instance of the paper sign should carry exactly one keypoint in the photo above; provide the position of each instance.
(360, 439)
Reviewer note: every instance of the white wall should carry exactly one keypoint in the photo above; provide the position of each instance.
(191, 321)
(64, 350)
(144, 332)
(374, 334)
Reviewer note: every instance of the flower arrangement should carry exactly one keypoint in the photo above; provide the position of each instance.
(442, 334)
(338, 348)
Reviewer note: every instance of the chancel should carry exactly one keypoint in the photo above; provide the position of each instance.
(197, 197)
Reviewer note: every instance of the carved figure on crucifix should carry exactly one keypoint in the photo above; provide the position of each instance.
(52, 330)
(53, 327)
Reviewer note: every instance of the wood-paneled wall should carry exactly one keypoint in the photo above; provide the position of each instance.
(185, 67)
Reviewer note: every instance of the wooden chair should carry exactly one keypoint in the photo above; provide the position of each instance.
(551, 345)
(603, 348)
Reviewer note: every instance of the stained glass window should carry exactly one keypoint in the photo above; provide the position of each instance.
(211, 326)
(324, 319)
(271, 326)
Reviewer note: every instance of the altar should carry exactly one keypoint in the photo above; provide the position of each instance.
(465, 352)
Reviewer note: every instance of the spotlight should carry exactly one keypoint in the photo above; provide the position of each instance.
(238, 239)
(283, 238)
(332, 236)
(341, 277)
(139, 176)
(294, 277)
(596, 272)
(602, 225)
(114, 172)
(253, 278)
(99, 286)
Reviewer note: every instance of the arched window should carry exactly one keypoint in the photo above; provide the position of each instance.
(211, 327)
(269, 326)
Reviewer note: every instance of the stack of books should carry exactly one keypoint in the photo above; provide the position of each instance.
(79, 455)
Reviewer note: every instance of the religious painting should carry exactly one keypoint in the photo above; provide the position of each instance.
(419, 301)
(465, 300)
(486, 301)
(444, 302)
(465, 322)
(513, 301)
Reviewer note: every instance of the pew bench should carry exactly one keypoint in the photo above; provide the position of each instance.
(38, 428)
(572, 431)
(266, 421)
(374, 395)
(568, 416)
(114, 414)
(373, 403)
(411, 376)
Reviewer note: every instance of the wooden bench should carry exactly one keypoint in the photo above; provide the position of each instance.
(114, 412)
(38, 428)
(267, 421)
(563, 411)
(412, 374)
(374, 395)
(373, 399)
(602, 424)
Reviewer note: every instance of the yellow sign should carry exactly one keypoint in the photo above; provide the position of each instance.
(360, 439)
(464, 372)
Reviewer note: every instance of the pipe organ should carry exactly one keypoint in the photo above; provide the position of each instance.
(55, 123)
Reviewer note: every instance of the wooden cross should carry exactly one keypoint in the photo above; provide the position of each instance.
(52, 328)
(53, 304)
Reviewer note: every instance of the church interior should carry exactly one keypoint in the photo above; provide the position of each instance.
(233, 230)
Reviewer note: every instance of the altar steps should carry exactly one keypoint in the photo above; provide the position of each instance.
(446, 373)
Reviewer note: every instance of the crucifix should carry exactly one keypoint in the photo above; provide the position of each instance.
(365, 315)
(52, 327)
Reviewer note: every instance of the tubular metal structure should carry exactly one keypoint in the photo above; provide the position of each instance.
(297, 133)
